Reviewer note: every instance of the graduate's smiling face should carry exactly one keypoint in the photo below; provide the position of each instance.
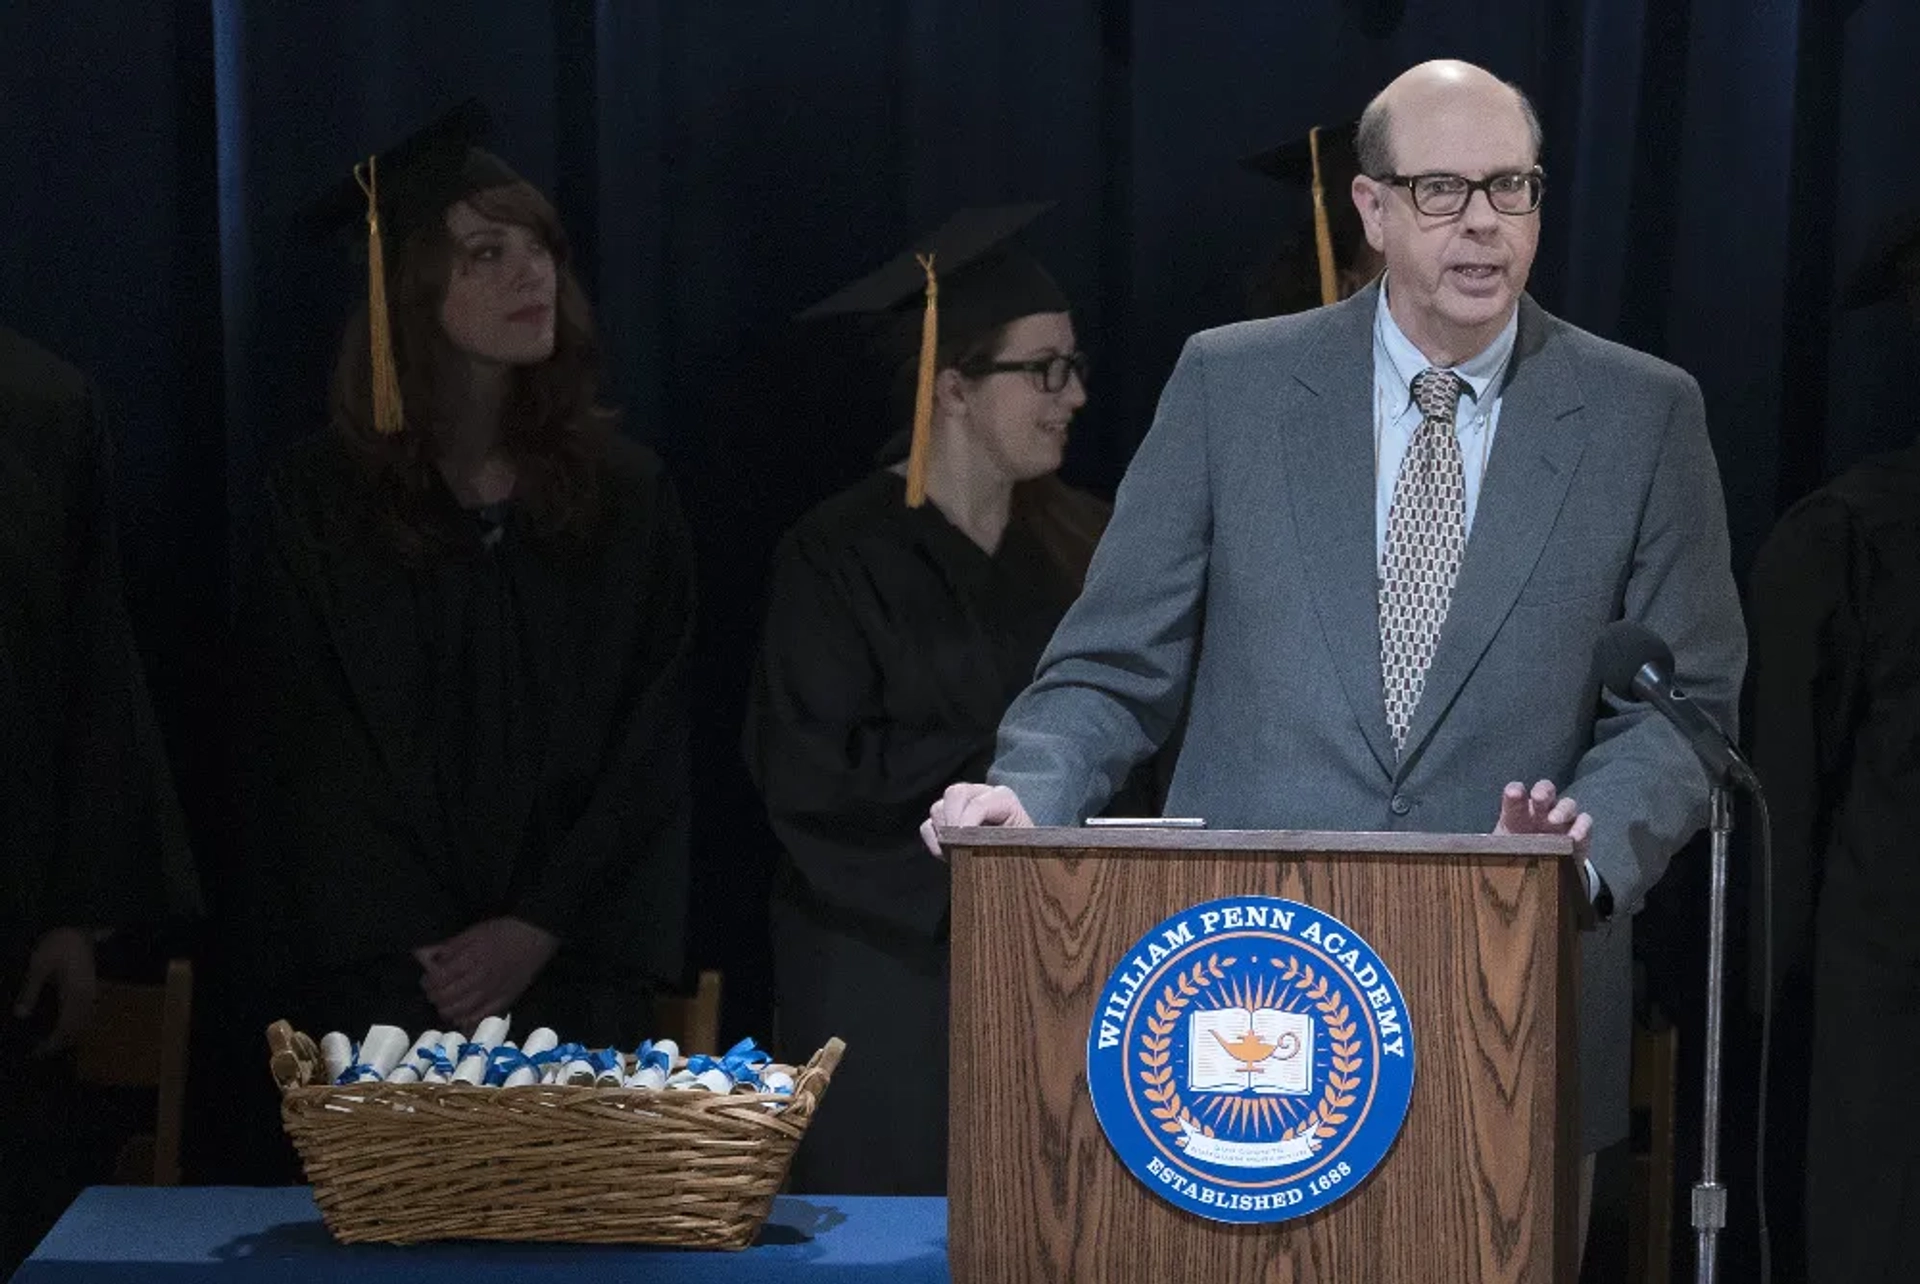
(1010, 415)
(502, 289)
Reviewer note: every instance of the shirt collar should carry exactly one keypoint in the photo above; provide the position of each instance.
(1478, 372)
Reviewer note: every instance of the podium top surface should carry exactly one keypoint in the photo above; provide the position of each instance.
(1006, 839)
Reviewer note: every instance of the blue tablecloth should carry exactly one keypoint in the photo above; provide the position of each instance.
(274, 1234)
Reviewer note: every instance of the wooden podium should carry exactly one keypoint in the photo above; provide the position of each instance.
(1479, 931)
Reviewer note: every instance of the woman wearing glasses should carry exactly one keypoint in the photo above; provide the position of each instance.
(905, 613)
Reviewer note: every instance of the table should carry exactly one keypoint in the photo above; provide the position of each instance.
(238, 1233)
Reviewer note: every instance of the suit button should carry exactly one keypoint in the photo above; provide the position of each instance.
(1400, 805)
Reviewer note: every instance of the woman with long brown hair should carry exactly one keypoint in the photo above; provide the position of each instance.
(464, 778)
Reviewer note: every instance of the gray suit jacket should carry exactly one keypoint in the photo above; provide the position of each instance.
(1237, 584)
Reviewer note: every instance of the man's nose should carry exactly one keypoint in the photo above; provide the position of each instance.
(1480, 215)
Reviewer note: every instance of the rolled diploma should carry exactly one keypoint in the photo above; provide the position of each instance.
(382, 1049)
(491, 1033)
(612, 1072)
(411, 1070)
(578, 1073)
(778, 1081)
(337, 1051)
(647, 1077)
(541, 1040)
(450, 1044)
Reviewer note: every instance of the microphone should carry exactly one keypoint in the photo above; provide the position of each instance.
(1635, 664)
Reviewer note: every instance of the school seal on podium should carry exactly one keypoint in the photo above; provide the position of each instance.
(1251, 1059)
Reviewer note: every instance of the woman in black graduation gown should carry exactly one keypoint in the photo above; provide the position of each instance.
(901, 623)
(465, 780)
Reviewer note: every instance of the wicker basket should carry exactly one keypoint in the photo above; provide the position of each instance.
(401, 1163)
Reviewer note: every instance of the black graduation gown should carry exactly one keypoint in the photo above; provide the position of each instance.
(893, 645)
(1835, 605)
(496, 727)
(90, 831)
(89, 825)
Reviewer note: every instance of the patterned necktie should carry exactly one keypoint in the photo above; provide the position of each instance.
(1426, 534)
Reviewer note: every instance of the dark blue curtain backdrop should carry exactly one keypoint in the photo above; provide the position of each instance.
(1714, 166)
(106, 141)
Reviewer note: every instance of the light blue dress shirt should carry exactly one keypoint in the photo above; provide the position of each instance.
(1396, 418)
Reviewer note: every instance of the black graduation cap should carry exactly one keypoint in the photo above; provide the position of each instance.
(969, 277)
(420, 177)
(1293, 161)
(1322, 162)
(396, 193)
(1876, 274)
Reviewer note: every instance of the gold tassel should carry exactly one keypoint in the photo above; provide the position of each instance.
(388, 417)
(1322, 234)
(923, 392)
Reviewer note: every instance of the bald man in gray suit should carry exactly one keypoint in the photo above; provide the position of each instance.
(1367, 550)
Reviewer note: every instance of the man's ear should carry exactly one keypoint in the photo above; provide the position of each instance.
(1370, 197)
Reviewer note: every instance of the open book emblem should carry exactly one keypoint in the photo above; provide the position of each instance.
(1250, 1050)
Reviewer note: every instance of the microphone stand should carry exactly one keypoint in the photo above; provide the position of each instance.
(1709, 1195)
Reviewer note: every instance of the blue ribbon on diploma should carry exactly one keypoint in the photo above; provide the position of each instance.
(502, 1062)
(648, 1055)
(605, 1059)
(740, 1063)
(357, 1071)
(560, 1056)
(747, 1052)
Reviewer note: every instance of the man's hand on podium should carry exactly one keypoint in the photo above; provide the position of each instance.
(1541, 811)
(965, 805)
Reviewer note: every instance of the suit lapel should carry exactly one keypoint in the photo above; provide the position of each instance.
(1537, 446)
(1329, 452)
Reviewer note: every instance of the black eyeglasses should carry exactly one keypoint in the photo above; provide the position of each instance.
(1444, 195)
(1052, 373)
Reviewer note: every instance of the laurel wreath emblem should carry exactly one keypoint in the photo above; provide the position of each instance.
(1156, 1074)
(1343, 1079)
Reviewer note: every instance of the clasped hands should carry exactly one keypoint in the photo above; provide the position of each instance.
(484, 970)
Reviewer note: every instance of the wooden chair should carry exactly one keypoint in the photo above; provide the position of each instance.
(1656, 1056)
(139, 1040)
(692, 1020)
